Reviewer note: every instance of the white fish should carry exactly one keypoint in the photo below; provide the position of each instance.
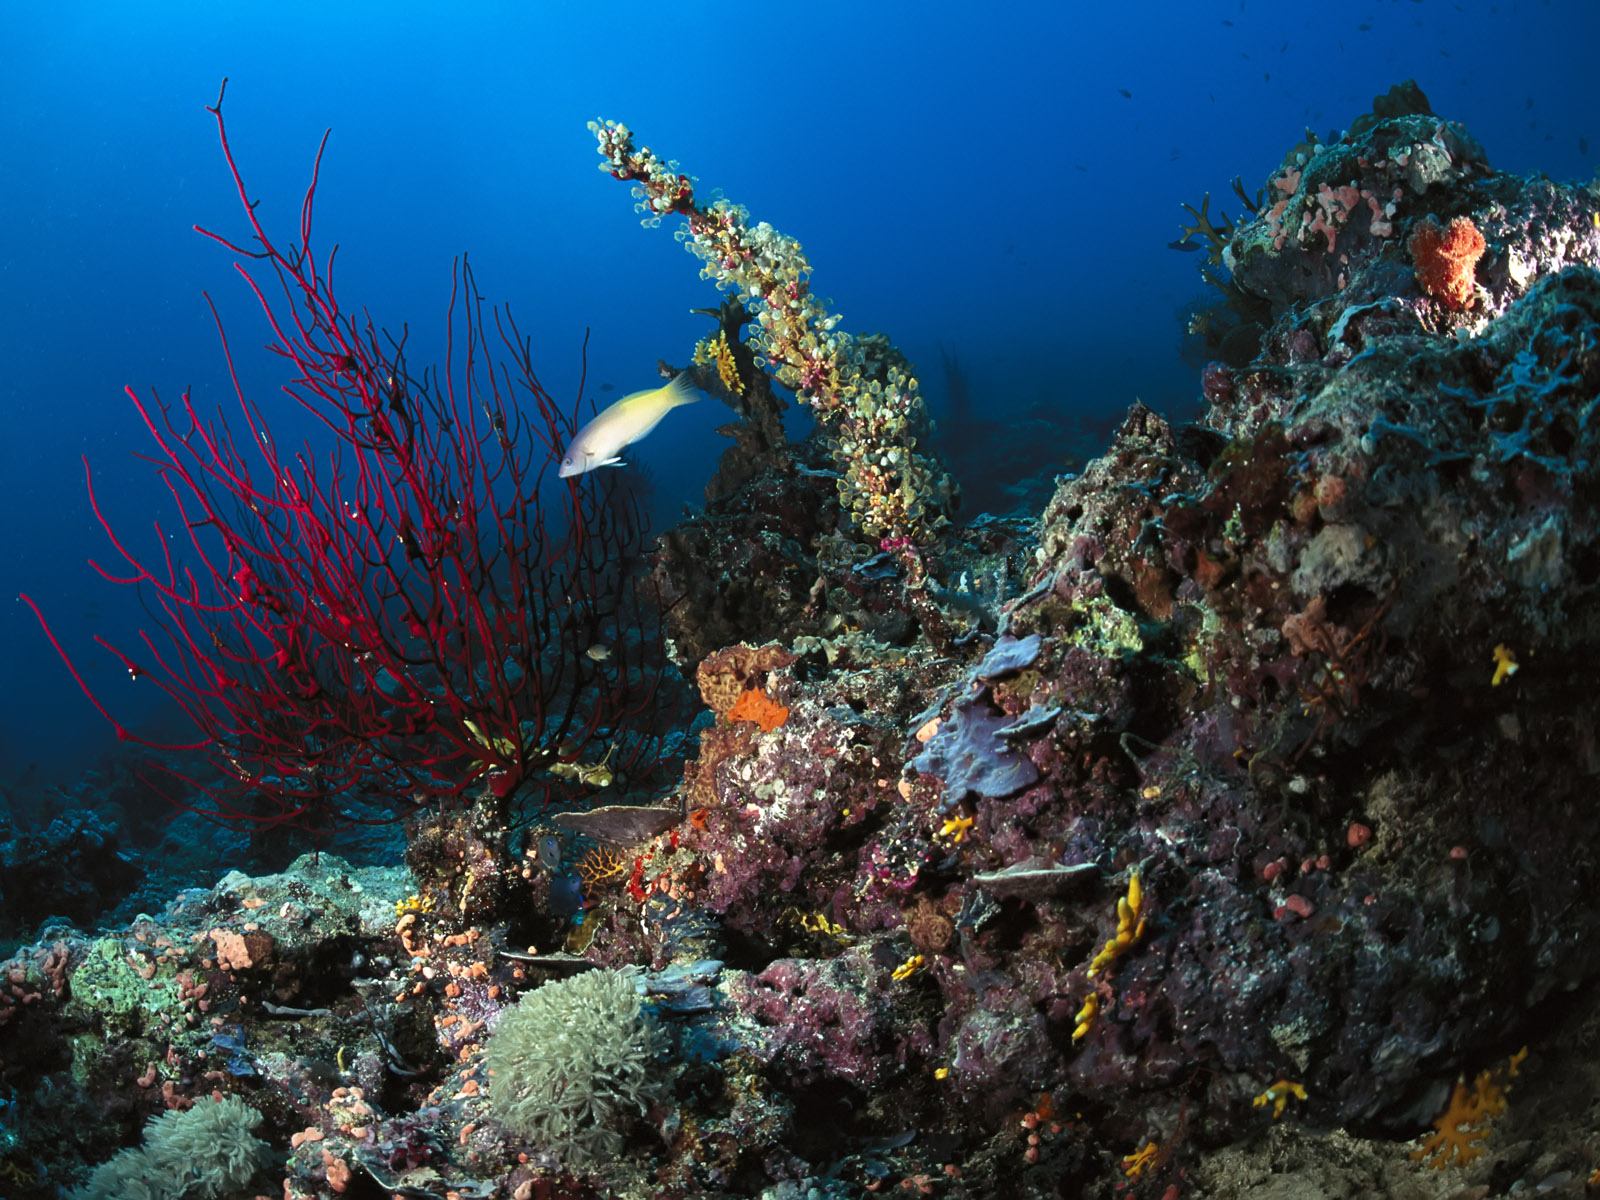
(600, 442)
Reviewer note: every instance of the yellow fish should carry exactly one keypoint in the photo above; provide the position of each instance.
(600, 442)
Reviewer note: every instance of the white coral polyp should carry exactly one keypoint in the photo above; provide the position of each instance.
(571, 1061)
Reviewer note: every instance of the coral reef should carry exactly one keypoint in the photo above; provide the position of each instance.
(1240, 797)
(73, 867)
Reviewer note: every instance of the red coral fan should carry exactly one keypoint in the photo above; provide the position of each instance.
(1445, 259)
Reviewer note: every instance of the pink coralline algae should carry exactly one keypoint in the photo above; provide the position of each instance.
(834, 1019)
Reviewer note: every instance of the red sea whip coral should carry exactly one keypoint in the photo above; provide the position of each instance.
(417, 609)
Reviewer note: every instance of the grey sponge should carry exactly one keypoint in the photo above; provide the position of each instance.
(570, 1061)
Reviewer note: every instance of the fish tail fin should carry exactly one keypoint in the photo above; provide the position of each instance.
(680, 391)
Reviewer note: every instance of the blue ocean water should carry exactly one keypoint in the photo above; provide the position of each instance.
(996, 184)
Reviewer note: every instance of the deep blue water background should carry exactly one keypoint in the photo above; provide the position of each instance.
(961, 175)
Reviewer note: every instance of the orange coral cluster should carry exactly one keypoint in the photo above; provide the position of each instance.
(724, 677)
(1466, 1120)
(733, 683)
(1446, 258)
(601, 865)
(755, 705)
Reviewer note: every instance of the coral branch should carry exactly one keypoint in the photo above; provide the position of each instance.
(415, 607)
(872, 410)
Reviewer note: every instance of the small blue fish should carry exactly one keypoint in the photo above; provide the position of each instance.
(566, 896)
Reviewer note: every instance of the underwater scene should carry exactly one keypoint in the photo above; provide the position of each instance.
(832, 601)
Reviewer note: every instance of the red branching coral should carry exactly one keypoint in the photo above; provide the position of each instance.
(411, 609)
(1445, 259)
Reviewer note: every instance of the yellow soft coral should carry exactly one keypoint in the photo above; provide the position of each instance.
(1279, 1095)
(1130, 926)
(413, 904)
(1135, 1164)
(1086, 1016)
(955, 827)
(908, 968)
(1505, 664)
(716, 351)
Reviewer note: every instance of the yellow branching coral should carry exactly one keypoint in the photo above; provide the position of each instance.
(715, 351)
(908, 968)
(1278, 1096)
(955, 827)
(600, 865)
(1505, 664)
(1084, 1021)
(12, 1172)
(1459, 1131)
(1130, 927)
(1135, 1164)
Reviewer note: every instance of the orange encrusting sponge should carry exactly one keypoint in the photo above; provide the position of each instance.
(1445, 259)
(754, 705)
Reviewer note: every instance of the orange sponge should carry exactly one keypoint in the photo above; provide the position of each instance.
(1445, 259)
(754, 705)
